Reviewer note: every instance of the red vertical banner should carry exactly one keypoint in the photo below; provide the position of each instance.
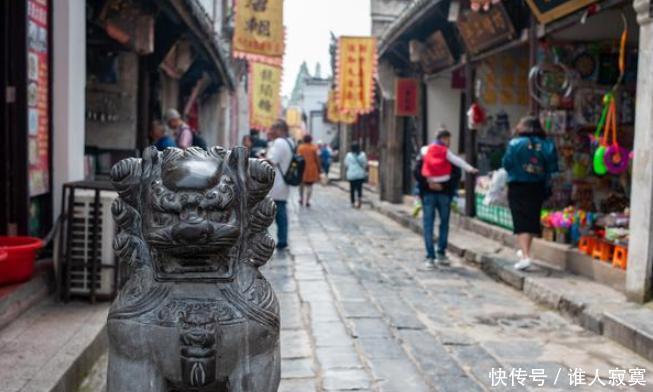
(407, 97)
(38, 76)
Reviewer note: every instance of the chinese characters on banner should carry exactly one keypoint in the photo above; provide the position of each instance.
(259, 31)
(357, 61)
(335, 115)
(407, 99)
(264, 90)
(37, 97)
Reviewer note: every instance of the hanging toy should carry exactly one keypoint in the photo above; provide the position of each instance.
(599, 154)
(614, 158)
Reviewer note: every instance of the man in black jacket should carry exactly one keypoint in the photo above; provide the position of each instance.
(436, 200)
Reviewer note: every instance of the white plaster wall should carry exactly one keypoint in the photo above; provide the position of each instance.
(68, 106)
(315, 97)
(209, 120)
(443, 105)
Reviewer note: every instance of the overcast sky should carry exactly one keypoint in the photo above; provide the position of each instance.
(308, 23)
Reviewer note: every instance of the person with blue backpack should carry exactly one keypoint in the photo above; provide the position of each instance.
(530, 160)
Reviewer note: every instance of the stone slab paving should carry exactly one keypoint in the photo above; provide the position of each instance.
(47, 347)
(373, 319)
(358, 313)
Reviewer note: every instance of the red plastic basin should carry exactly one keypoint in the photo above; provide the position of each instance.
(17, 257)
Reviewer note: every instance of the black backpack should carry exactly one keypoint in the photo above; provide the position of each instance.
(295, 173)
(198, 141)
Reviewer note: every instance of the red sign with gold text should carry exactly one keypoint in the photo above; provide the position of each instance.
(37, 97)
(407, 99)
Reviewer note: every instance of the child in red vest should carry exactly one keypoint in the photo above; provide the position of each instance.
(438, 160)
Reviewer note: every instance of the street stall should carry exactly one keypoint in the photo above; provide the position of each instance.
(584, 84)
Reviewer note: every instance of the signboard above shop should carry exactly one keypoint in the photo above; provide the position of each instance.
(435, 54)
(484, 30)
(548, 10)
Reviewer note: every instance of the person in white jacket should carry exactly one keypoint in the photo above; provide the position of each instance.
(356, 164)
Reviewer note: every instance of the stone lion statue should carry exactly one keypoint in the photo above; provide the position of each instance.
(194, 314)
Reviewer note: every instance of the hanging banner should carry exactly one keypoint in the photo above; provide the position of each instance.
(548, 10)
(37, 97)
(407, 99)
(335, 115)
(264, 89)
(357, 61)
(259, 33)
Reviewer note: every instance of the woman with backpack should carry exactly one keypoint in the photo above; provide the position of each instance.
(530, 160)
(356, 165)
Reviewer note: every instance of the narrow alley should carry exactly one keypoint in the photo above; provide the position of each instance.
(359, 313)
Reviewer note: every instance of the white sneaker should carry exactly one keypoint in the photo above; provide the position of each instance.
(443, 260)
(429, 263)
(522, 264)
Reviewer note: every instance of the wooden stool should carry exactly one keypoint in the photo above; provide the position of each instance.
(586, 244)
(603, 251)
(620, 258)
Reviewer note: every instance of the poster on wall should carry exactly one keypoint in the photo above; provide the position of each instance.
(357, 62)
(37, 97)
(264, 90)
(259, 33)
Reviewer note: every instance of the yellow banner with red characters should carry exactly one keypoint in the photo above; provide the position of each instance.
(335, 115)
(259, 33)
(264, 90)
(357, 62)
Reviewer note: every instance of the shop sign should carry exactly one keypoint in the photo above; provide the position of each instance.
(435, 54)
(259, 34)
(337, 116)
(357, 62)
(407, 97)
(484, 30)
(548, 10)
(37, 97)
(264, 89)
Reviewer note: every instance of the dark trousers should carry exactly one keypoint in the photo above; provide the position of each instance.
(355, 186)
(282, 223)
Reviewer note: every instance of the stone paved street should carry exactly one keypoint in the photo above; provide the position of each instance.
(359, 313)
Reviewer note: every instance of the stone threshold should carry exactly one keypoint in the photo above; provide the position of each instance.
(595, 306)
(52, 346)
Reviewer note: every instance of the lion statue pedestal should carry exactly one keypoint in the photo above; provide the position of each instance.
(194, 314)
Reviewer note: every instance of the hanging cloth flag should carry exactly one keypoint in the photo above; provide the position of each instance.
(264, 90)
(357, 62)
(259, 32)
(335, 115)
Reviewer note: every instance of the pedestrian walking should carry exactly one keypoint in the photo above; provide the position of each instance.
(437, 181)
(356, 174)
(280, 155)
(325, 157)
(312, 168)
(158, 136)
(530, 160)
(182, 131)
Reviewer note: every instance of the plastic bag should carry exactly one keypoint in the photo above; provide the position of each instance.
(498, 191)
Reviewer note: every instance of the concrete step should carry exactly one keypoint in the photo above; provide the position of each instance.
(52, 346)
(597, 307)
(18, 298)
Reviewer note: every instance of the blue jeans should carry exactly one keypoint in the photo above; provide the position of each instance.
(282, 223)
(432, 202)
